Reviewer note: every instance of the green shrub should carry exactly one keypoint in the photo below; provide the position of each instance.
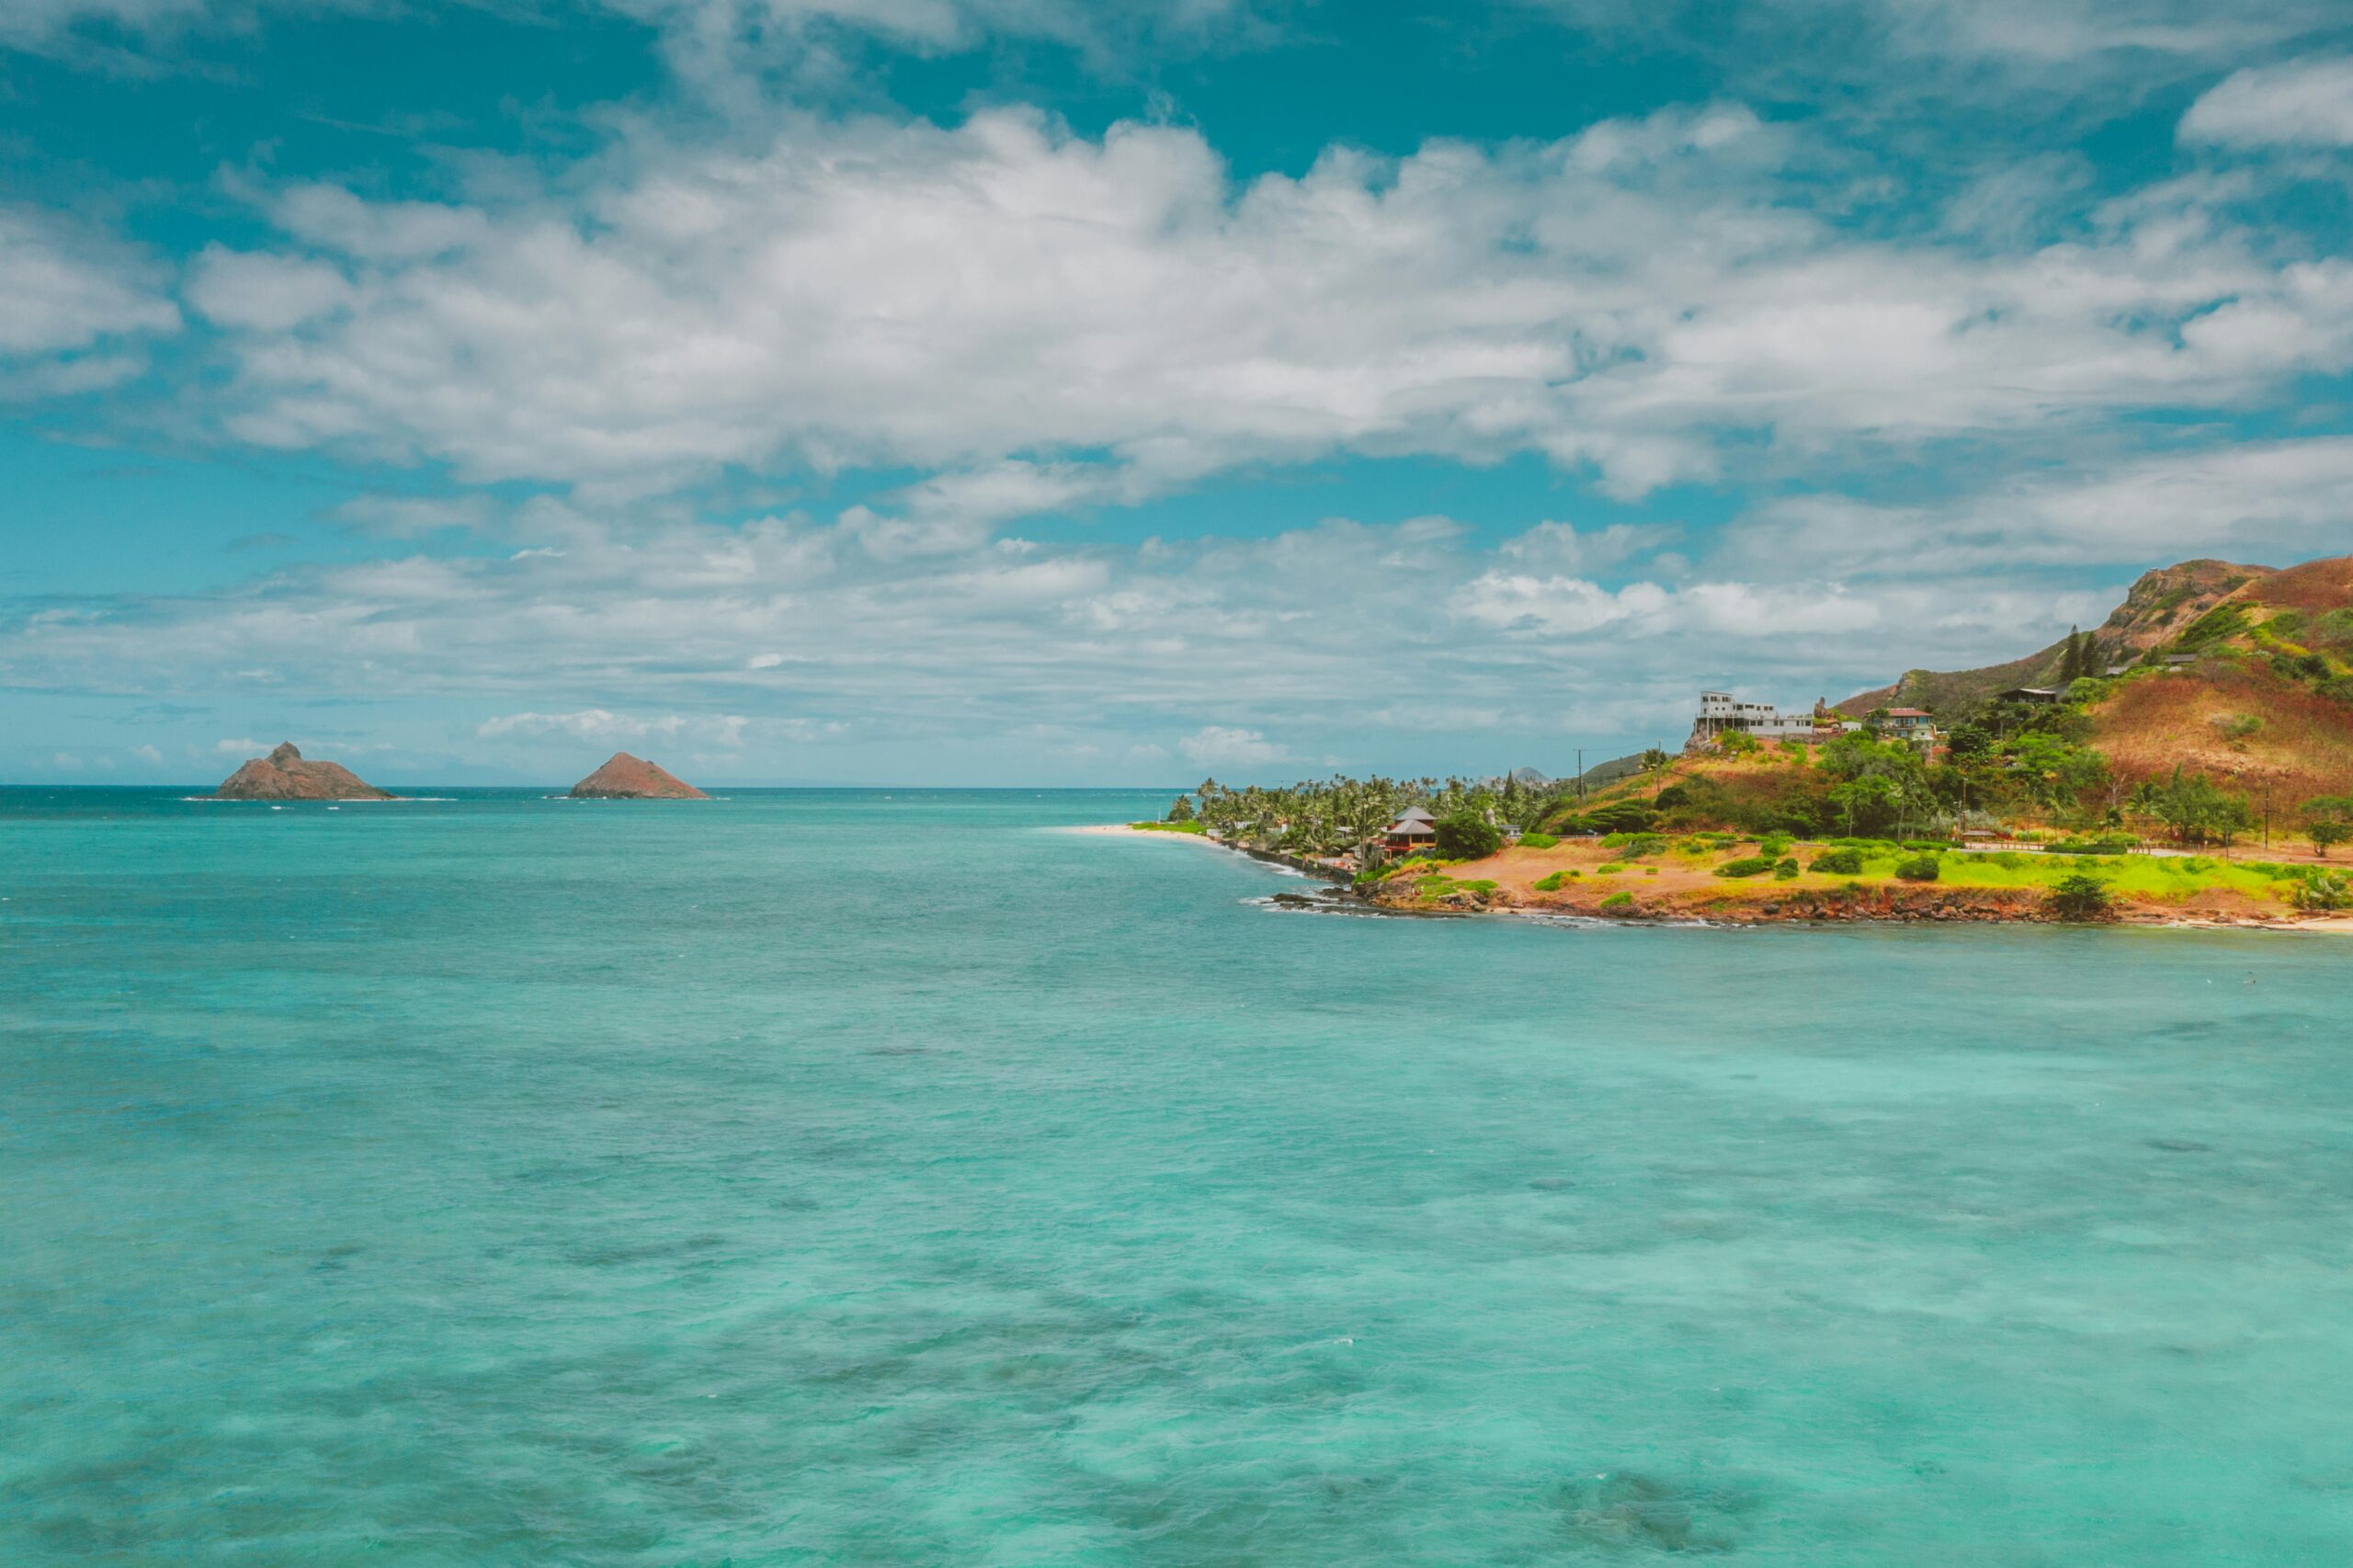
(2080, 896)
(2238, 726)
(1168, 827)
(1918, 868)
(1537, 841)
(1927, 846)
(1551, 883)
(1840, 863)
(1618, 901)
(1775, 846)
(1634, 846)
(1610, 869)
(2107, 843)
(2300, 666)
(2325, 889)
(1617, 817)
(1785, 869)
(1466, 836)
(2223, 620)
(1748, 866)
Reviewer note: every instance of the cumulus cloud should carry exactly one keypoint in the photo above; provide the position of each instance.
(1008, 305)
(65, 288)
(266, 293)
(1563, 606)
(604, 727)
(2283, 499)
(2300, 103)
(1247, 654)
(1223, 745)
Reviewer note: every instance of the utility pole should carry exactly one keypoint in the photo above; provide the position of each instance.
(1580, 773)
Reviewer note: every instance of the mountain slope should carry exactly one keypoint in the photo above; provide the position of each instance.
(2242, 672)
(2160, 605)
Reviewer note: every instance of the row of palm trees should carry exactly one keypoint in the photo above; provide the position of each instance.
(1333, 816)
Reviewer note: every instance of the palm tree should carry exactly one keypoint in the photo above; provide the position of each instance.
(1656, 762)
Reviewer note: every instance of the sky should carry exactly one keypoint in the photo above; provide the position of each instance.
(1037, 393)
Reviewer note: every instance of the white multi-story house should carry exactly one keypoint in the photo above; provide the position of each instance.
(1719, 711)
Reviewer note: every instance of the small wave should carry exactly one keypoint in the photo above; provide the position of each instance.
(331, 805)
(1294, 903)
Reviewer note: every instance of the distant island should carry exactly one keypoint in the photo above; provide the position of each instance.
(285, 775)
(2116, 775)
(627, 778)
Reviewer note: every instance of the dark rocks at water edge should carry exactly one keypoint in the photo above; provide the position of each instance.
(627, 778)
(285, 775)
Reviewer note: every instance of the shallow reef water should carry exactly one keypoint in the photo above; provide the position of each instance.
(840, 1176)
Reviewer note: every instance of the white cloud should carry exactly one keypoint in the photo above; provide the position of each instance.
(244, 747)
(759, 641)
(1558, 548)
(64, 289)
(2283, 500)
(147, 754)
(1047, 320)
(1222, 745)
(270, 293)
(27, 23)
(407, 517)
(606, 728)
(2306, 102)
(334, 219)
(1562, 606)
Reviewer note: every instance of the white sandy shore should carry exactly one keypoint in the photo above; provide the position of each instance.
(1121, 827)
(2340, 924)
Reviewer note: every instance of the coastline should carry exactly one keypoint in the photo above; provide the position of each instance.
(1503, 885)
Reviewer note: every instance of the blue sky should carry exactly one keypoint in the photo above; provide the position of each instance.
(1008, 391)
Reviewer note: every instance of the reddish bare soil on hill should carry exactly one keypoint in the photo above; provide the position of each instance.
(285, 775)
(627, 778)
(2237, 723)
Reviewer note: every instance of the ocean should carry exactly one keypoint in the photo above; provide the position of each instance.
(892, 1176)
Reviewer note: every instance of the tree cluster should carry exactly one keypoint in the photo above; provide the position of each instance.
(1332, 816)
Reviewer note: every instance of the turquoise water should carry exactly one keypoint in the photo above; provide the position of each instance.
(819, 1178)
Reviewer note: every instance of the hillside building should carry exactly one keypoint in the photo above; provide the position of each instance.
(1722, 713)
